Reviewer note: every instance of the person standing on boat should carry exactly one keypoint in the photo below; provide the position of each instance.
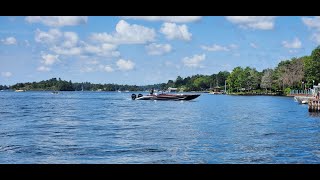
(151, 92)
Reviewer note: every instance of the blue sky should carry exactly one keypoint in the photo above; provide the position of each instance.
(147, 49)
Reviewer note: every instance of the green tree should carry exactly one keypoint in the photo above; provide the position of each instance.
(266, 80)
(312, 67)
(235, 79)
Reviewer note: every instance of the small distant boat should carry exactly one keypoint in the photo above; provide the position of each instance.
(216, 93)
(126, 91)
(20, 90)
(303, 99)
(172, 97)
(54, 92)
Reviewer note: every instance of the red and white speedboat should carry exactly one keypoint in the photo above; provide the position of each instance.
(174, 97)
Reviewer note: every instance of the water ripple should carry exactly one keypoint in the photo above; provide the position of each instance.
(102, 127)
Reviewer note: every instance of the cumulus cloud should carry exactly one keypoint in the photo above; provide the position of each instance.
(158, 49)
(50, 37)
(70, 39)
(126, 34)
(216, 47)
(314, 24)
(49, 59)
(6, 74)
(295, 44)
(73, 51)
(9, 41)
(125, 65)
(43, 69)
(174, 31)
(55, 37)
(194, 61)
(106, 68)
(104, 50)
(58, 21)
(253, 22)
(92, 62)
(174, 19)
(69, 44)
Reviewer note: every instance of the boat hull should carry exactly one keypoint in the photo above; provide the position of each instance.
(303, 99)
(169, 97)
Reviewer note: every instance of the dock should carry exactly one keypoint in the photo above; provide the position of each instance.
(314, 105)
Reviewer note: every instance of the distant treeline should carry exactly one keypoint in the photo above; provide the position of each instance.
(296, 73)
(55, 84)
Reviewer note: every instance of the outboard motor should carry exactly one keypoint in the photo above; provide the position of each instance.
(140, 95)
(133, 96)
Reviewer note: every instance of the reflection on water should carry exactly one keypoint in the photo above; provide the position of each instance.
(314, 114)
(102, 127)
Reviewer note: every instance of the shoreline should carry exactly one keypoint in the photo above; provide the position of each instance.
(203, 92)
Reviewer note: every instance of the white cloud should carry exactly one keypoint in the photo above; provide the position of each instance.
(158, 49)
(174, 19)
(216, 47)
(316, 37)
(6, 74)
(233, 46)
(174, 31)
(9, 41)
(94, 62)
(54, 37)
(126, 34)
(50, 37)
(74, 51)
(70, 39)
(104, 50)
(58, 21)
(49, 59)
(295, 44)
(293, 51)
(106, 68)
(314, 24)
(69, 44)
(253, 22)
(43, 69)
(90, 65)
(125, 65)
(194, 61)
(253, 45)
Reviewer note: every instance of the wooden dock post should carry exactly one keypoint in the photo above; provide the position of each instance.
(314, 105)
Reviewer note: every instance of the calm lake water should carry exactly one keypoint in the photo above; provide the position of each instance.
(107, 127)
